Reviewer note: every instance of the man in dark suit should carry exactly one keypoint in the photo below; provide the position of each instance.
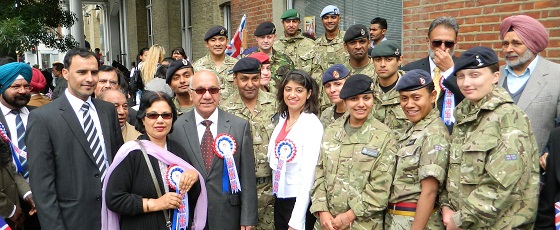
(550, 192)
(14, 187)
(67, 166)
(442, 38)
(230, 209)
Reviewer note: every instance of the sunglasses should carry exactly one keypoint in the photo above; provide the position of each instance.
(154, 116)
(448, 44)
(203, 90)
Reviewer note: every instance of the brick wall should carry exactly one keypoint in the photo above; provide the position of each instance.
(479, 22)
(257, 11)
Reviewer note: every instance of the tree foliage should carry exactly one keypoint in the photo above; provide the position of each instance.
(27, 23)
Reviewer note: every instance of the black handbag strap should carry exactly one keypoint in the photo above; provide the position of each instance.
(158, 190)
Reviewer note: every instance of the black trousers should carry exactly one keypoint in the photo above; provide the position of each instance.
(283, 208)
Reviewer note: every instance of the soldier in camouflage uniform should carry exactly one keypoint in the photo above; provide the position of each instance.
(493, 175)
(280, 63)
(258, 107)
(178, 78)
(387, 58)
(356, 43)
(300, 49)
(333, 80)
(421, 159)
(356, 166)
(217, 60)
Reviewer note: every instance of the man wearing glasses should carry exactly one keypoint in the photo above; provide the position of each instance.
(442, 38)
(196, 130)
(108, 79)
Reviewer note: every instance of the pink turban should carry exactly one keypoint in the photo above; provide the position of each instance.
(532, 32)
(38, 81)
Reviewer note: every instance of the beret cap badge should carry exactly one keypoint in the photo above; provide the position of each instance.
(480, 63)
(422, 81)
(335, 74)
(362, 32)
(222, 32)
(397, 52)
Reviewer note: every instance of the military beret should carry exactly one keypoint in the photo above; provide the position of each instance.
(290, 14)
(386, 49)
(247, 65)
(174, 66)
(262, 57)
(413, 80)
(355, 85)
(356, 32)
(335, 72)
(476, 58)
(215, 31)
(265, 28)
(330, 9)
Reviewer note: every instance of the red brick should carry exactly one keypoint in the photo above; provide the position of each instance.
(487, 36)
(527, 6)
(469, 12)
(554, 13)
(508, 8)
(546, 4)
(469, 28)
(553, 53)
(487, 19)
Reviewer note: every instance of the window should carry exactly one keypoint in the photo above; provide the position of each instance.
(226, 10)
(186, 29)
(149, 16)
(355, 12)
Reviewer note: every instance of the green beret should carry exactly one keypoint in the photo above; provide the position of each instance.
(265, 28)
(290, 14)
(355, 85)
(247, 65)
(215, 31)
(357, 31)
(386, 49)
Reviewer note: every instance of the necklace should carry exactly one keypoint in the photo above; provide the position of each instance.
(289, 126)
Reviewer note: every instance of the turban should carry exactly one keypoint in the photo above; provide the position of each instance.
(38, 81)
(532, 32)
(9, 72)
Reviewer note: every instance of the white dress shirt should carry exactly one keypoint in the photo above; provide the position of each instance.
(11, 121)
(200, 128)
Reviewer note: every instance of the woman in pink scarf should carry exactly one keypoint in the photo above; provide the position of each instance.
(130, 200)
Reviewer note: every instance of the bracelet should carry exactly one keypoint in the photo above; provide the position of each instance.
(148, 205)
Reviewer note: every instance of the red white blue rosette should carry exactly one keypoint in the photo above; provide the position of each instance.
(181, 215)
(225, 147)
(285, 151)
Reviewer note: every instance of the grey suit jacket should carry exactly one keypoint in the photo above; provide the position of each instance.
(225, 211)
(63, 175)
(541, 98)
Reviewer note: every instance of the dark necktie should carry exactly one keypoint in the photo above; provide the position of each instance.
(206, 145)
(21, 142)
(94, 141)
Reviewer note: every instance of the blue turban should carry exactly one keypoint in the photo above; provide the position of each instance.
(9, 72)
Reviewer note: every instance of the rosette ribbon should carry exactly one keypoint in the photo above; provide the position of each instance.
(180, 219)
(285, 151)
(17, 154)
(224, 147)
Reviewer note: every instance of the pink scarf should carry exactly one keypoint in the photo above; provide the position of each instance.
(110, 219)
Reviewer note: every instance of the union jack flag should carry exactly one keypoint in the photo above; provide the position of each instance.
(234, 47)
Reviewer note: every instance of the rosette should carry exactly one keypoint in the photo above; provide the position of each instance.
(225, 147)
(181, 215)
(285, 151)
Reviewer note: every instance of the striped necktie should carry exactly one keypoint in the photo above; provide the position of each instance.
(94, 141)
(21, 143)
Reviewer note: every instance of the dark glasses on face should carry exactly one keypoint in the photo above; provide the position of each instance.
(203, 90)
(448, 44)
(153, 116)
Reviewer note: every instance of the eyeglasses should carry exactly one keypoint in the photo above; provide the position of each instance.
(203, 90)
(448, 44)
(105, 81)
(154, 116)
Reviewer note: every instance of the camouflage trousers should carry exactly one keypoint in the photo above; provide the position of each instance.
(398, 222)
(265, 206)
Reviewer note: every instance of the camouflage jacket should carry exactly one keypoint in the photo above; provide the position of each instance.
(300, 49)
(280, 63)
(423, 152)
(327, 116)
(355, 172)
(329, 53)
(387, 109)
(181, 110)
(368, 70)
(224, 72)
(261, 126)
(493, 175)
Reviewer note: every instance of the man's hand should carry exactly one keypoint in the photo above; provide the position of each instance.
(29, 200)
(247, 227)
(542, 161)
(443, 59)
(326, 220)
(18, 218)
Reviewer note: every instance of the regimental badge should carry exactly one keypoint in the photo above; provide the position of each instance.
(397, 52)
(185, 62)
(222, 32)
(297, 15)
(422, 81)
(511, 157)
(335, 74)
(273, 30)
(480, 63)
(370, 152)
(335, 11)
(363, 32)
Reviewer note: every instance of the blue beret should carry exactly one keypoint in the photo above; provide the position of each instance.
(174, 66)
(476, 58)
(9, 72)
(265, 28)
(355, 85)
(335, 72)
(386, 49)
(357, 31)
(215, 31)
(247, 65)
(330, 9)
(413, 80)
